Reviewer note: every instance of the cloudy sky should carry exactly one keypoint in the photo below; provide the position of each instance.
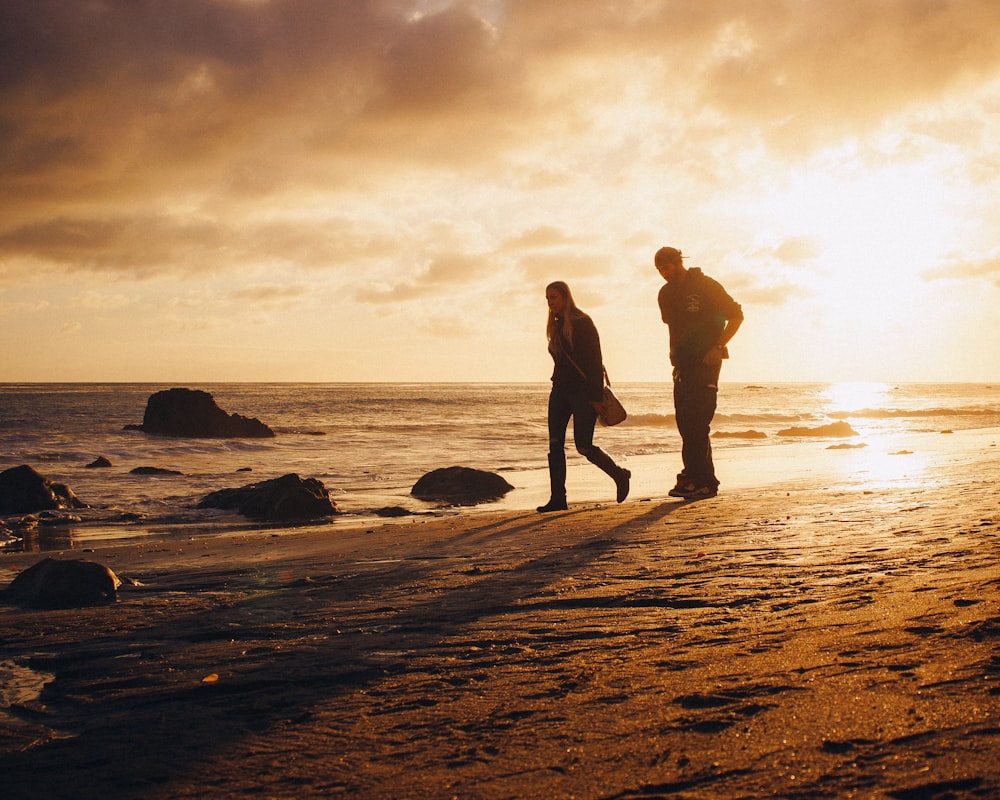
(358, 190)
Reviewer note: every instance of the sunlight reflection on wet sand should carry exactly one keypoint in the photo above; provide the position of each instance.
(883, 462)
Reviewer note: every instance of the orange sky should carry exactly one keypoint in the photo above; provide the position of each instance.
(275, 190)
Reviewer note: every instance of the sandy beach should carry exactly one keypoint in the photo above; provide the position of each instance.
(828, 626)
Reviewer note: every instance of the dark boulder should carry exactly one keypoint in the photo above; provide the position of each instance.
(23, 491)
(53, 583)
(461, 485)
(285, 499)
(99, 463)
(154, 471)
(392, 511)
(833, 430)
(193, 413)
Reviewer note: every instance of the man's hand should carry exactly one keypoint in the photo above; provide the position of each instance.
(713, 357)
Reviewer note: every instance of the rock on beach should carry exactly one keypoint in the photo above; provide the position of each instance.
(834, 430)
(54, 583)
(194, 413)
(23, 491)
(460, 485)
(285, 499)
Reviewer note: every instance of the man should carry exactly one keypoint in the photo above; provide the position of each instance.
(701, 318)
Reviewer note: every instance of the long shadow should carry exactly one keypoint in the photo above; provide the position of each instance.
(129, 743)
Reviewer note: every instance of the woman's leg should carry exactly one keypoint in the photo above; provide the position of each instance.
(584, 420)
(560, 411)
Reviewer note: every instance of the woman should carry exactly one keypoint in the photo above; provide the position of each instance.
(577, 392)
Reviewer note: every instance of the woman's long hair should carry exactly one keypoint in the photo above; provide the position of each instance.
(559, 328)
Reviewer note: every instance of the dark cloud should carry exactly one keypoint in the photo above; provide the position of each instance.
(768, 60)
(109, 88)
(442, 60)
(81, 82)
(146, 245)
(814, 71)
(110, 106)
(136, 244)
(56, 48)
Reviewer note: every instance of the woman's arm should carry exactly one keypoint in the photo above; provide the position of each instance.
(587, 352)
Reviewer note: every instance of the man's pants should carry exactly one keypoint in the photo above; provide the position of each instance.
(696, 392)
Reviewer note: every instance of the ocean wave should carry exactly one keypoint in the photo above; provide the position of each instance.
(903, 413)
(649, 420)
(659, 420)
(764, 418)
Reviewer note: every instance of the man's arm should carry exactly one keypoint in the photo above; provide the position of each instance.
(734, 318)
(732, 325)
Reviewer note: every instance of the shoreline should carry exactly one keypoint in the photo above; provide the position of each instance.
(833, 636)
(876, 462)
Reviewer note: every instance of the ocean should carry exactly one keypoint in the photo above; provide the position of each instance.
(369, 443)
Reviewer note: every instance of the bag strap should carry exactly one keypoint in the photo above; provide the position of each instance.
(607, 380)
(571, 361)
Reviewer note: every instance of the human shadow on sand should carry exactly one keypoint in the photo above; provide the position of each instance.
(135, 711)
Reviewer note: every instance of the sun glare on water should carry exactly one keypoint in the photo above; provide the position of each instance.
(857, 395)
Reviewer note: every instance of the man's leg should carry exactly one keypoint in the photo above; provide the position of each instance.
(696, 393)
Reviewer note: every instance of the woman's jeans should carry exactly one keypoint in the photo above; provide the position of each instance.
(563, 404)
(566, 403)
(696, 393)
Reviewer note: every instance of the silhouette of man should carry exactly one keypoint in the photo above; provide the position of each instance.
(701, 318)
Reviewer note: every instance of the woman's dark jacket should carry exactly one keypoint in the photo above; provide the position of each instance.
(586, 352)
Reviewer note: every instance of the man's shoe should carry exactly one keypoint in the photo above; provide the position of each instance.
(682, 489)
(701, 493)
(622, 482)
(555, 504)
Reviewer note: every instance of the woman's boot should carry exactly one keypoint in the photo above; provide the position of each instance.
(605, 463)
(557, 482)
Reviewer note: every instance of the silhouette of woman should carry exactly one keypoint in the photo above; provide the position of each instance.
(577, 392)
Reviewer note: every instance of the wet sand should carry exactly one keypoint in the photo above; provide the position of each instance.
(824, 630)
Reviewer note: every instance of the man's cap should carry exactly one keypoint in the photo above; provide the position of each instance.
(667, 255)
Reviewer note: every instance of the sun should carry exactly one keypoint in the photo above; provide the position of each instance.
(871, 220)
(873, 228)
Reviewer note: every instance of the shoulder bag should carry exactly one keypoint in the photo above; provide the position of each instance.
(614, 412)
